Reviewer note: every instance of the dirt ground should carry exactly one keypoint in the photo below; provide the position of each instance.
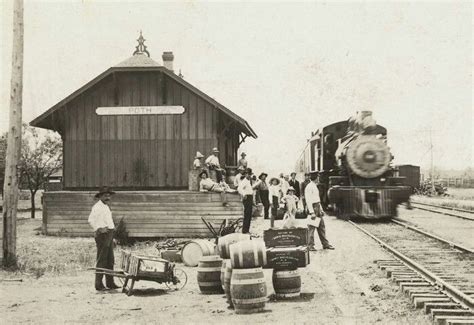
(336, 289)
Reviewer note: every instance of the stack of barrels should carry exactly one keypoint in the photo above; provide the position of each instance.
(223, 247)
(248, 290)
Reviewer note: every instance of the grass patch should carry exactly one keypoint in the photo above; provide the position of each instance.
(461, 198)
(39, 255)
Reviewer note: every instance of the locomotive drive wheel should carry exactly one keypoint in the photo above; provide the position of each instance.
(179, 280)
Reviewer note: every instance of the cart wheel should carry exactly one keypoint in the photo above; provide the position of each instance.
(179, 280)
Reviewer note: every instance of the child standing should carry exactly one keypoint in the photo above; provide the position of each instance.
(291, 202)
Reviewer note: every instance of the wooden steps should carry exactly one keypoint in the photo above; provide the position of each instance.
(146, 214)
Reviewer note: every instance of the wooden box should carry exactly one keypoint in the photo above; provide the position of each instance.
(172, 255)
(193, 179)
(148, 266)
(290, 237)
(285, 258)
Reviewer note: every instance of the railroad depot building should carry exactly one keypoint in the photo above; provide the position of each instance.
(136, 128)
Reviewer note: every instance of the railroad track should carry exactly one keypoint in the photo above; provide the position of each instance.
(461, 213)
(435, 273)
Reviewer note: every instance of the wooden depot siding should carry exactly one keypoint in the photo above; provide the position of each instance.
(145, 214)
(141, 151)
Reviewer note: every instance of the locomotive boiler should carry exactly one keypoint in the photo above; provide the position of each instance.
(356, 178)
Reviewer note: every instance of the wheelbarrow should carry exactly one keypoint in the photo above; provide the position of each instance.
(146, 268)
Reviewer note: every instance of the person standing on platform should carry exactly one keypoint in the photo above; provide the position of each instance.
(242, 161)
(315, 219)
(239, 176)
(213, 163)
(197, 164)
(284, 185)
(246, 191)
(303, 187)
(263, 193)
(100, 219)
(274, 197)
(296, 185)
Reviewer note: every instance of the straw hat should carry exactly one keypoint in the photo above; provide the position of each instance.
(202, 173)
(291, 188)
(215, 149)
(104, 190)
(199, 155)
(274, 179)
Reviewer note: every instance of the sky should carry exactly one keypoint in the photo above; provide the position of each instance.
(287, 68)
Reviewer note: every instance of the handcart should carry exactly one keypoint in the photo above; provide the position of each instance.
(148, 268)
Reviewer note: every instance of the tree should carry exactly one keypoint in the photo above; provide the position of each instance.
(41, 156)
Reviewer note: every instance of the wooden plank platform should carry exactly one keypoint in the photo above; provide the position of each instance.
(145, 213)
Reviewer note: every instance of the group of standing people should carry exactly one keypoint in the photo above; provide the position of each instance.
(287, 192)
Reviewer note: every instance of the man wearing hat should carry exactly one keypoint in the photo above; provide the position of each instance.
(197, 164)
(213, 163)
(263, 192)
(315, 219)
(242, 161)
(239, 176)
(307, 180)
(246, 191)
(295, 184)
(101, 221)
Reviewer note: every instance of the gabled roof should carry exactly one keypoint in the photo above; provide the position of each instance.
(141, 62)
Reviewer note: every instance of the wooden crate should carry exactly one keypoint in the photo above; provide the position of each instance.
(285, 258)
(291, 237)
(148, 266)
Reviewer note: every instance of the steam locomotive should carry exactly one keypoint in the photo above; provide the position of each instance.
(356, 178)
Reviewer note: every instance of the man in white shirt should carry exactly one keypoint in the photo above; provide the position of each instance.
(245, 189)
(213, 163)
(101, 221)
(315, 219)
(238, 177)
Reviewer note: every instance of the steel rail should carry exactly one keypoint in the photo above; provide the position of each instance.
(454, 292)
(441, 212)
(444, 207)
(444, 213)
(450, 243)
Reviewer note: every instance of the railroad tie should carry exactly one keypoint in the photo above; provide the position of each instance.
(447, 319)
(440, 305)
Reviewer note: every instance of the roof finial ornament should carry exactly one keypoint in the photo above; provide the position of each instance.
(141, 47)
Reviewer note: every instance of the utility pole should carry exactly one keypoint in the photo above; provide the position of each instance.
(432, 168)
(10, 186)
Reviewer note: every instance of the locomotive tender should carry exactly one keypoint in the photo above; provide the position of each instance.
(356, 178)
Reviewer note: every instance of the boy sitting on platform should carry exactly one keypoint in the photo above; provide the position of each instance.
(208, 185)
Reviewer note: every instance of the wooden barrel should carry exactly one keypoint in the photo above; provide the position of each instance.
(286, 283)
(248, 290)
(209, 274)
(223, 267)
(227, 278)
(248, 254)
(194, 250)
(225, 241)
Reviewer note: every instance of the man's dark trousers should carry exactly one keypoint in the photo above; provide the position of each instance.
(265, 201)
(248, 204)
(105, 257)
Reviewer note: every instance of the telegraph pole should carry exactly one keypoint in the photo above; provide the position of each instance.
(10, 186)
(432, 167)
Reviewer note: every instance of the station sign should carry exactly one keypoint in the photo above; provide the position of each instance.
(140, 110)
